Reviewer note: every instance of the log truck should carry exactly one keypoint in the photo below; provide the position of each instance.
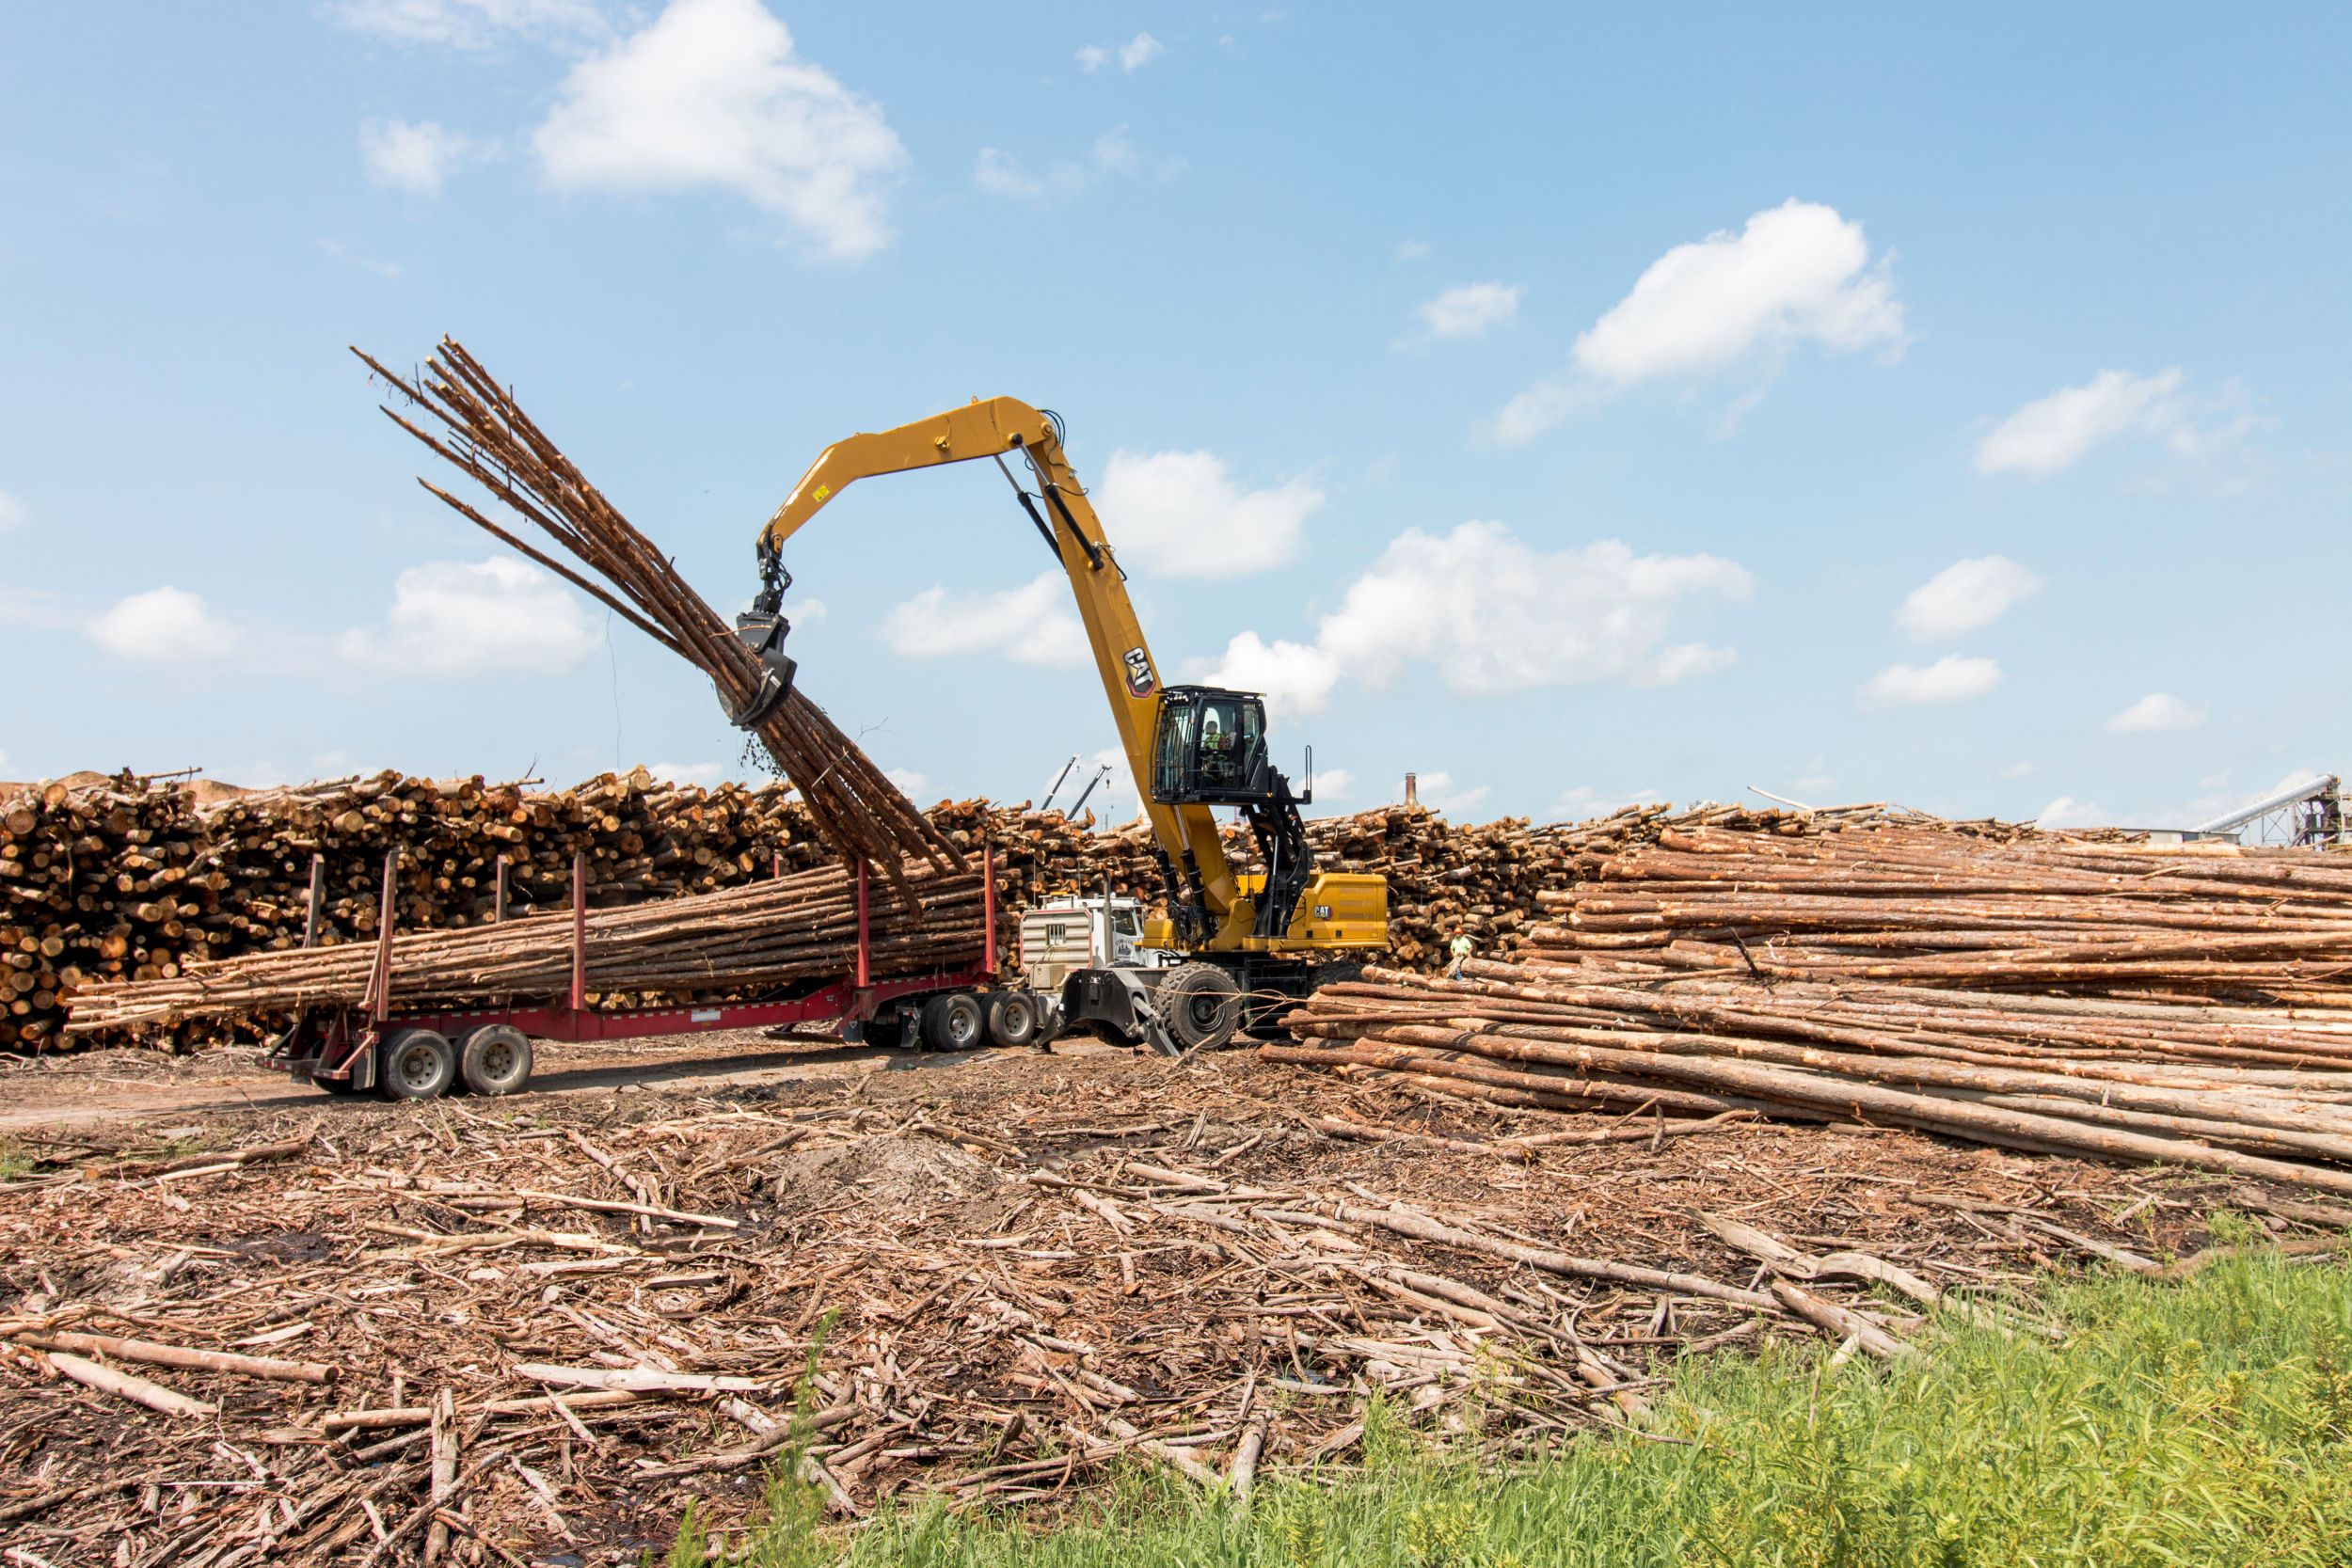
(1232, 939)
(1233, 945)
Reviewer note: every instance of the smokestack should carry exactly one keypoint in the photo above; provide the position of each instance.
(1412, 791)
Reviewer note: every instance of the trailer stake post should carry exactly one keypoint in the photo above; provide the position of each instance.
(988, 908)
(318, 900)
(377, 1003)
(864, 936)
(579, 930)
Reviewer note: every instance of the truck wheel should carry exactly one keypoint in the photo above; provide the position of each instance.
(495, 1059)
(1200, 1006)
(953, 1021)
(416, 1064)
(1012, 1018)
(885, 1030)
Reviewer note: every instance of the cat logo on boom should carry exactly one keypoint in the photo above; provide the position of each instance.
(1139, 677)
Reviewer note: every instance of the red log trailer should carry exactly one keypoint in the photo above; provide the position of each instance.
(422, 1052)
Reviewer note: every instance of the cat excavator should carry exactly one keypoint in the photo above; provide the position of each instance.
(1233, 943)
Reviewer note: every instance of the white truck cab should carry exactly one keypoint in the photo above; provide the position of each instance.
(1068, 933)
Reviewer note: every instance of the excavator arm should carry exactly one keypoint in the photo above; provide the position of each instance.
(1186, 834)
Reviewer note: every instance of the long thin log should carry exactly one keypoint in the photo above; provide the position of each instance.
(127, 1385)
(1406, 1223)
(158, 1355)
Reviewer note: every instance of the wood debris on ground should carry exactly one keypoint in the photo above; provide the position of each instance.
(537, 1328)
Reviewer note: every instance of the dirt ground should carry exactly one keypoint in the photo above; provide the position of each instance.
(1000, 1276)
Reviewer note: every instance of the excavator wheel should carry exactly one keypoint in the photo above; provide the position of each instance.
(1199, 1005)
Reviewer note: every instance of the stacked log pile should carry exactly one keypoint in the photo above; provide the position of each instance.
(794, 927)
(130, 879)
(2121, 1000)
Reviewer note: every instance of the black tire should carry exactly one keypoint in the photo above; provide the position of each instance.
(1200, 1005)
(1013, 1019)
(415, 1064)
(495, 1059)
(953, 1021)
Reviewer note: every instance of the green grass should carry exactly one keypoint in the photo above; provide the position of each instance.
(2201, 1424)
(15, 1159)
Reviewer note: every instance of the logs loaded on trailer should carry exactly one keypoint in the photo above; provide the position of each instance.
(2184, 1005)
(800, 926)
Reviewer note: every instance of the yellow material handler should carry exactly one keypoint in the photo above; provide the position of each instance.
(1234, 945)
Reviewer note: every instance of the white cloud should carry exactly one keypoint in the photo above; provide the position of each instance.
(1179, 514)
(1412, 250)
(1951, 678)
(12, 512)
(1029, 624)
(164, 625)
(2157, 712)
(2057, 431)
(2067, 812)
(1113, 156)
(1438, 792)
(1963, 597)
(1332, 783)
(338, 251)
(701, 774)
(1294, 676)
(457, 620)
(1493, 616)
(1472, 310)
(1133, 56)
(415, 158)
(471, 23)
(711, 95)
(907, 778)
(1794, 274)
(2020, 770)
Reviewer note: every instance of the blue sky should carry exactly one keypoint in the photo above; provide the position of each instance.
(1570, 405)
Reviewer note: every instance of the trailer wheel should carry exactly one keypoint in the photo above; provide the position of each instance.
(1200, 1006)
(416, 1064)
(953, 1021)
(1014, 1018)
(495, 1059)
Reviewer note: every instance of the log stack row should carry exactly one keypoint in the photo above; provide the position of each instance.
(2183, 1005)
(127, 879)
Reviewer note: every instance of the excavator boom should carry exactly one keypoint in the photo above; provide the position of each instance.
(1287, 909)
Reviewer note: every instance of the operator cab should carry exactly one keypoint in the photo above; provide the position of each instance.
(1211, 748)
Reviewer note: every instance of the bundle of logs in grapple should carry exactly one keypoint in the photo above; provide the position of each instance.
(855, 808)
(799, 926)
(2166, 1004)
